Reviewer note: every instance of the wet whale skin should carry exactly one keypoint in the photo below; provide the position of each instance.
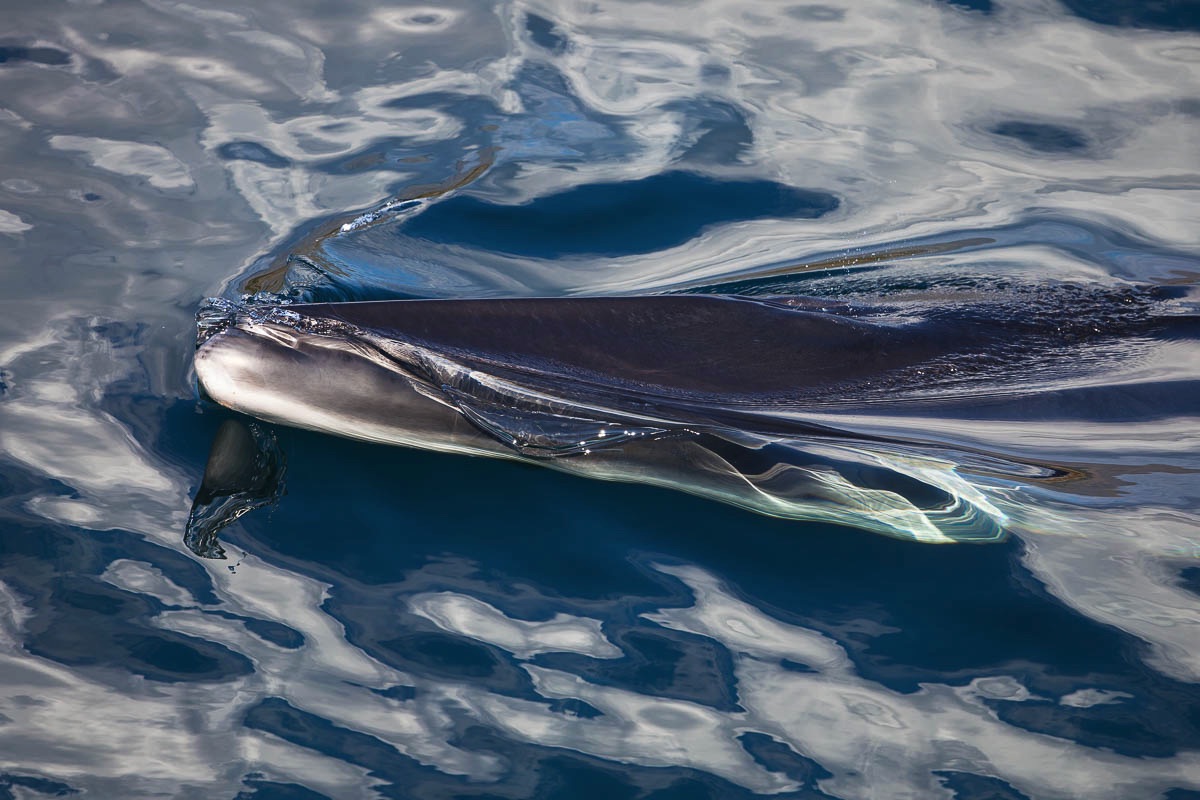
(711, 395)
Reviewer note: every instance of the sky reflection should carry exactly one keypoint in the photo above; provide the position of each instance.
(379, 634)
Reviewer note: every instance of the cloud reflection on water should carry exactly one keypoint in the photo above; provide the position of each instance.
(822, 710)
(927, 122)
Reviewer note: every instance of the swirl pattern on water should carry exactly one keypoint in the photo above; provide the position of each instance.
(416, 623)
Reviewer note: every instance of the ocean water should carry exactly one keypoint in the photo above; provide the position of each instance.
(400, 623)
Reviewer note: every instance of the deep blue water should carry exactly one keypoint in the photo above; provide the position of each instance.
(401, 623)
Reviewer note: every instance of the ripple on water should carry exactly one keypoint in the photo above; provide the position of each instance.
(406, 622)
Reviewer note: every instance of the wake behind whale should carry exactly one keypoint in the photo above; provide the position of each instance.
(757, 402)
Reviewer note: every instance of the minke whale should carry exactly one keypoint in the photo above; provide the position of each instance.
(712, 395)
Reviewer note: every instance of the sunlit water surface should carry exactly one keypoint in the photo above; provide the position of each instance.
(410, 624)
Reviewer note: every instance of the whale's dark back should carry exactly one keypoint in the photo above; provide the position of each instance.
(691, 344)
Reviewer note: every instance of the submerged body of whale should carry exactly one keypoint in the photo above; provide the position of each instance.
(713, 395)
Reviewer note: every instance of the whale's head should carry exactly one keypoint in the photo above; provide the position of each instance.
(310, 371)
